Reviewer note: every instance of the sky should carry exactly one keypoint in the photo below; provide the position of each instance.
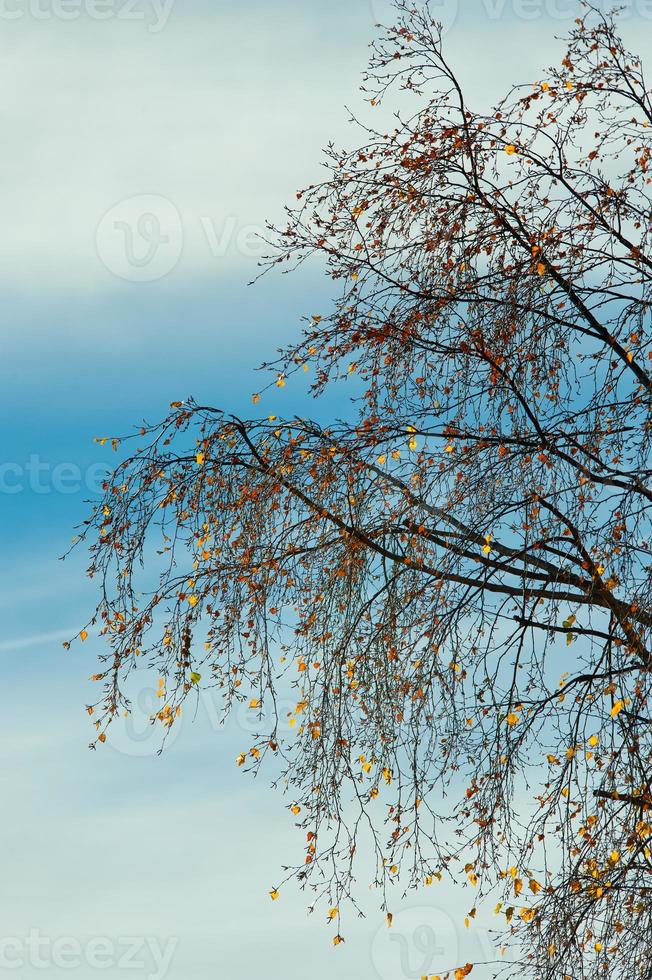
(145, 143)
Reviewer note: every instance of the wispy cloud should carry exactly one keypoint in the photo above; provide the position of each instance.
(36, 640)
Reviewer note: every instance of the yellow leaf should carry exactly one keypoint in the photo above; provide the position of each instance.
(390, 918)
(593, 741)
(280, 381)
(333, 913)
(274, 894)
(513, 718)
(199, 459)
(337, 940)
(510, 150)
(295, 809)
(255, 399)
(254, 703)
(193, 600)
(83, 636)
(617, 708)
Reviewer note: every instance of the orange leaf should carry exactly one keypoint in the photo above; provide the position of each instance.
(463, 971)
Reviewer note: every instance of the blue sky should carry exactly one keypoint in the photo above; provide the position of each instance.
(219, 111)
